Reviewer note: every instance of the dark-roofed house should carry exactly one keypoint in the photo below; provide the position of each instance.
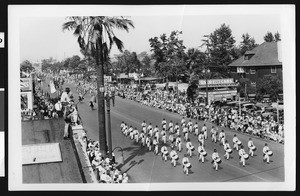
(263, 60)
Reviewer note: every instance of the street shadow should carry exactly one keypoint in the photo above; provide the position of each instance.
(133, 163)
(135, 151)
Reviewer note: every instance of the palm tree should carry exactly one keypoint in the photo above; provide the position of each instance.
(95, 37)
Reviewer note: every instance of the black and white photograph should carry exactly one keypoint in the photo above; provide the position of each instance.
(152, 97)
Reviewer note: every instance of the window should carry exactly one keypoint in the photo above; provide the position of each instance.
(240, 70)
(246, 57)
(273, 69)
(253, 83)
(252, 71)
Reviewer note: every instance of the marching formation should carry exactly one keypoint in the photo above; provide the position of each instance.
(169, 139)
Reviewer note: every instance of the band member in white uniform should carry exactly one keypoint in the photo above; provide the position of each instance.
(215, 159)
(213, 132)
(227, 149)
(142, 139)
(182, 121)
(164, 153)
(174, 157)
(178, 143)
(137, 136)
(189, 147)
(133, 133)
(243, 155)
(128, 131)
(170, 128)
(157, 133)
(204, 131)
(196, 128)
(202, 152)
(190, 126)
(144, 124)
(185, 133)
(222, 137)
(171, 139)
(201, 138)
(149, 127)
(177, 129)
(236, 142)
(150, 132)
(267, 153)
(164, 123)
(186, 164)
(148, 142)
(155, 143)
(122, 125)
(251, 147)
(125, 127)
(163, 134)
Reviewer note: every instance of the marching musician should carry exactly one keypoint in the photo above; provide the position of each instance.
(148, 142)
(215, 159)
(136, 136)
(189, 147)
(222, 137)
(178, 143)
(213, 133)
(155, 143)
(177, 129)
(144, 124)
(164, 123)
(201, 138)
(163, 134)
(185, 133)
(202, 152)
(171, 139)
(174, 157)
(142, 138)
(182, 121)
(186, 164)
(170, 126)
(267, 153)
(243, 155)
(122, 125)
(190, 126)
(164, 153)
(227, 149)
(204, 131)
(251, 147)
(196, 128)
(236, 142)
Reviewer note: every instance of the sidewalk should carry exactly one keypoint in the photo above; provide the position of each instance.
(72, 169)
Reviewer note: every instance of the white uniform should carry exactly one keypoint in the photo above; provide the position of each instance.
(266, 155)
(178, 144)
(182, 121)
(185, 163)
(200, 151)
(201, 138)
(174, 157)
(250, 146)
(196, 129)
(164, 152)
(235, 143)
(186, 133)
(155, 143)
(122, 125)
(242, 158)
(226, 147)
(213, 135)
(222, 137)
(163, 136)
(214, 157)
(136, 136)
(204, 131)
(189, 147)
(190, 126)
(171, 139)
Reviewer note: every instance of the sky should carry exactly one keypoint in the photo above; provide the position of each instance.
(43, 37)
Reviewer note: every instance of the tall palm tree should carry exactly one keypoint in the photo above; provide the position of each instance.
(95, 37)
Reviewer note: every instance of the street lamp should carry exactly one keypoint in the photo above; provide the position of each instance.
(109, 95)
(205, 72)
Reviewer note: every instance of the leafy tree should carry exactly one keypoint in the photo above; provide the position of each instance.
(269, 84)
(168, 53)
(26, 66)
(195, 61)
(74, 62)
(277, 36)
(247, 43)
(95, 36)
(269, 37)
(245, 87)
(220, 49)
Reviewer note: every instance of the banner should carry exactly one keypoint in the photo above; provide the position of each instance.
(216, 81)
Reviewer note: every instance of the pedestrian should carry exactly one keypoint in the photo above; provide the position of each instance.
(202, 152)
(267, 153)
(92, 101)
(215, 160)
(251, 147)
(67, 118)
(58, 108)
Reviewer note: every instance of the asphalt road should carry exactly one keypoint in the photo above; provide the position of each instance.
(144, 167)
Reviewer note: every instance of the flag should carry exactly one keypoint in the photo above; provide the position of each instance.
(52, 87)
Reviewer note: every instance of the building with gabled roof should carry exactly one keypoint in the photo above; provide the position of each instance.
(263, 60)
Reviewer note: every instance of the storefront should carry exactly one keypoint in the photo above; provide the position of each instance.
(218, 89)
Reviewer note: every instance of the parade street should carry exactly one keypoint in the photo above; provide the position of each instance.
(144, 166)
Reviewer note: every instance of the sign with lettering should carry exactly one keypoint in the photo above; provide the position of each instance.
(216, 81)
(26, 84)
